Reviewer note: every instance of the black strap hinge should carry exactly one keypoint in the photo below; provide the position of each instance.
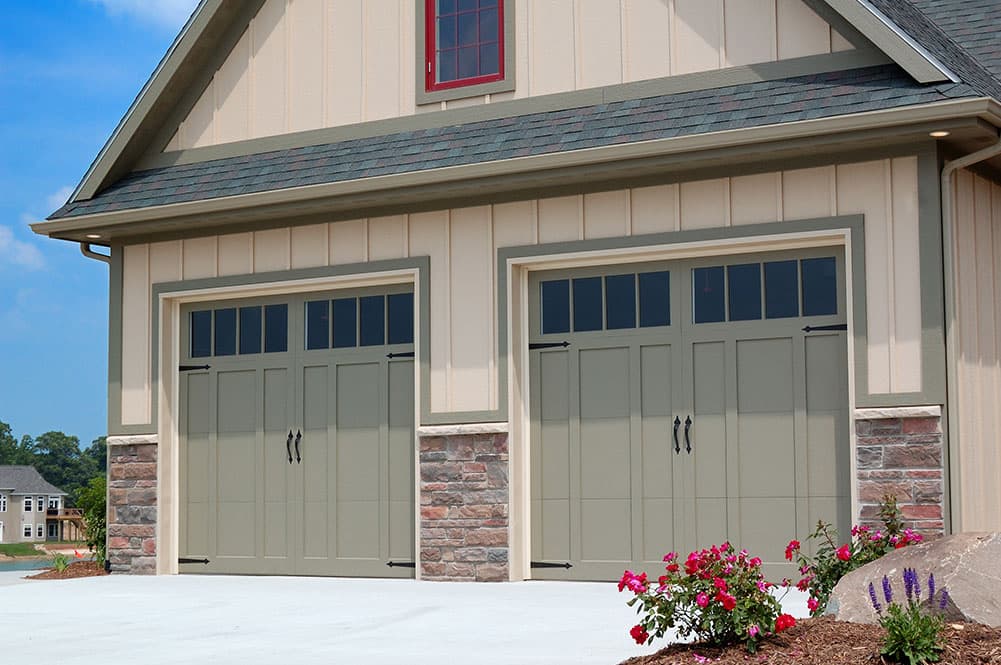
(190, 368)
(836, 326)
(404, 354)
(401, 564)
(551, 564)
(187, 560)
(548, 345)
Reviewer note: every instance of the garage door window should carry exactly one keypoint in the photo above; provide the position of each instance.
(610, 302)
(365, 321)
(228, 331)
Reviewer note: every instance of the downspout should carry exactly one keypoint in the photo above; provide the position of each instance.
(951, 296)
(91, 254)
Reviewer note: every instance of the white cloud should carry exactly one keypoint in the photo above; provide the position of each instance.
(17, 252)
(57, 199)
(166, 13)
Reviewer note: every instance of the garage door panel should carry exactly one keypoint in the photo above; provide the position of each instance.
(401, 438)
(766, 525)
(276, 535)
(316, 529)
(358, 529)
(554, 544)
(605, 459)
(826, 373)
(358, 398)
(765, 375)
(658, 457)
(658, 528)
(236, 529)
(315, 399)
(605, 530)
(766, 448)
(358, 476)
(196, 530)
(708, 517)
(823, 440)
(401, 529)
(553, 455)
(604, 383)
(554, 397)
(196, 406)
(276, 406)
(235, 391)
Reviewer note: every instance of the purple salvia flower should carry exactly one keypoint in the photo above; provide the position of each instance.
(943, 600)
(872, 597)
(887, 590)
(917, 585)
(908, 585)
(931, 586)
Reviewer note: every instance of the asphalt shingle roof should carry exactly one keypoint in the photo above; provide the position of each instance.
(26, 480)
(973, 25)
(683, 114)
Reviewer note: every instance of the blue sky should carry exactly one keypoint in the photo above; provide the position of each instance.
(69, 69)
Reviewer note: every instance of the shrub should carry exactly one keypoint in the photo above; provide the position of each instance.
(913, 634)
(718, 595)
(94, 503)
(820, 573)
(60, 561)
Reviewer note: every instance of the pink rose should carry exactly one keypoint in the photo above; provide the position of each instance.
(702, 600)
(844, 553)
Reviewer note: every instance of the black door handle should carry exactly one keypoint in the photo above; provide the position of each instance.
(288, 446)
(688, 441)
(677, 424)
(298, 438)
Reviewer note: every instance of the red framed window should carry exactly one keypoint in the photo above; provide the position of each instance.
(464, 43)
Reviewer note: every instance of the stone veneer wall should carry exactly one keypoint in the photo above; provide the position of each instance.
(132, 508)
(902, 457)
(464, 507)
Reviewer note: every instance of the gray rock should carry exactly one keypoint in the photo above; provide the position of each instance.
(967, 564)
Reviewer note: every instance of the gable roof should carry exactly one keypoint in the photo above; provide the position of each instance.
(930, 67)
(26, 480)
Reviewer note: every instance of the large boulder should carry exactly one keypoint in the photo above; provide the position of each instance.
(967, 564)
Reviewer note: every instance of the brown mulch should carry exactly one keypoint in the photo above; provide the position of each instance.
(825, 641)
(72, 571)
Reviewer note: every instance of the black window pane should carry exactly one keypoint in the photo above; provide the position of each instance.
(401, 318)
(488, 3)
(467, 29)
(250, 330)
(446, 6)
(655, 299)
(488, 25)
(318, 324)
(556, 307)
(345, 323)
(820, 286)
(620, 301)
(489, 59)
(446, 32)
(707, 294)
(466, 5)
(744, 282)
(276, 328)
(225, 332)
(781, 290)
(447, 67)
(587, 306)
(469, 62)
(201, 334)
(373, 320)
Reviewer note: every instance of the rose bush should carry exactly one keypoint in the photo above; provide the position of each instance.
(821, 572)
(717, 595)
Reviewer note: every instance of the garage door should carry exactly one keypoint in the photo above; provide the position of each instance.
(681, 404)
(296, 428)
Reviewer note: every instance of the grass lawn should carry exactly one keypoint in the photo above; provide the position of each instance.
(20, 549)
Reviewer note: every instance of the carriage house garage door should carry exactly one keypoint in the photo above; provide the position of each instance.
(296, 451)
(680, 404)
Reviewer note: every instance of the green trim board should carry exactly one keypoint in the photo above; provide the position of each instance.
(768, 71)
(420, 58)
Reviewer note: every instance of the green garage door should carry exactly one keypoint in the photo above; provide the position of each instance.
(296, 430)
(682, 404)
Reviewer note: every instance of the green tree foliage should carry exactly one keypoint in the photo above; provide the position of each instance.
(58, 457)
(92, 500)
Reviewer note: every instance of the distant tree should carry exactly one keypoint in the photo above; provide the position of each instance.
(61, 462)
(98, 452)
(13, 451)
(93, 502)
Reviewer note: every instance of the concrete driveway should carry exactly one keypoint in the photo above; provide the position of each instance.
(296, 620)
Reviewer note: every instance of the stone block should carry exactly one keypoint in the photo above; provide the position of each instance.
(912, 456)
(487, 536)
(471, 554)
(870, 457)
(922, 425)
(922, 512)
(134, 470)
(497, 555)
(491, 572)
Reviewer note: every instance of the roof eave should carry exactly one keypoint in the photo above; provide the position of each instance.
(227, 210)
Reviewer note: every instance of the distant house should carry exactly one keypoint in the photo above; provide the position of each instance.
(31, 508)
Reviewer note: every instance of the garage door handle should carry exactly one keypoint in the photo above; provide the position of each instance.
(688, 441)
(288, 446)
(677, 424)
(298, 438)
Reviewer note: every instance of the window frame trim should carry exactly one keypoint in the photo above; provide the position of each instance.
(462, 88)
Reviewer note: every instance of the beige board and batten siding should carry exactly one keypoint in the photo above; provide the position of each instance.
(311, 64)
(462, 245)
(977, 260)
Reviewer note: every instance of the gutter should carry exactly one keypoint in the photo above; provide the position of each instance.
(91, 254)
(951, 296)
